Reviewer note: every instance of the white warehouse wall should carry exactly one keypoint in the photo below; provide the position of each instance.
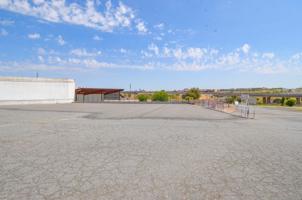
(21, 90)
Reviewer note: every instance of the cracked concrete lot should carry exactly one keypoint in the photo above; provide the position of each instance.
(143, 151)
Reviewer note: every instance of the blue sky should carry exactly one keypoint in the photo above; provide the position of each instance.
(154, 44)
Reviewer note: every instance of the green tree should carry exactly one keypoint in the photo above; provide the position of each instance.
(142, 97)
(291, 102)
(283, 101)
(232, 99)
(193, 93)
(160, 96)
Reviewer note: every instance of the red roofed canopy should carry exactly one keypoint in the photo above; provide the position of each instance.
(86, 91)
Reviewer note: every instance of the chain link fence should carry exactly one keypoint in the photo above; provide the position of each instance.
(242, 110)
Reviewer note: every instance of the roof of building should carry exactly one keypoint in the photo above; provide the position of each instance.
(86, 91)
(34, 79)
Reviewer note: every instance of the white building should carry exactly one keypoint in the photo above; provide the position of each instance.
(20, 90)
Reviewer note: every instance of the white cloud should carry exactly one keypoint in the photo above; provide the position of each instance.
(146, 54)
(46, 52)
(269, 69)
(174, 58)
(240, 59)
(38, 2)
(296, 57)
(195, 53)
(159, 26)
(122, 50)
(229, 59)
(141, 27)
(3, 32)
(84, 53)
(95, 64)
(34, 36)
(177, 53)
(89, 15)
(189, 53)
(97, 38)
(154, 48)
(268, 55)
(60, 40)
(179, 59)
(54, 59)
(70, 64)
(92, 64)
(41, 51)
(166, 52)
(6, 22)
(40, 58)
(182, 66)
(246, 48)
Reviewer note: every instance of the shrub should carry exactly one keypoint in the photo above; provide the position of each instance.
(142, 97)
(277, 101)
(173, 96)
(160, 96)
(188, 98)
(291, 102)
(193, 93)
(259, 101)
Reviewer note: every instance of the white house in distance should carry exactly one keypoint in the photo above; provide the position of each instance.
(21, 90)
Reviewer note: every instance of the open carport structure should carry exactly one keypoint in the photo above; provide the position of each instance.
(96, 95)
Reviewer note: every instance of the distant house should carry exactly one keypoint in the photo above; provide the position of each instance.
(96, 95)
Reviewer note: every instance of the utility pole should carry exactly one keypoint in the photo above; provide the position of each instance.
(130, 91)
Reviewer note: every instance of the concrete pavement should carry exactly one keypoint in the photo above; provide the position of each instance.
(133, 151)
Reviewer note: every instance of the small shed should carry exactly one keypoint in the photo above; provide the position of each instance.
(96, 95)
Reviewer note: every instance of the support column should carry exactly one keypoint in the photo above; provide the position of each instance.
(264, 100)
(268, 100)
(298, 100)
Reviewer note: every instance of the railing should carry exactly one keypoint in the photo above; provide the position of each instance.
(242, 110)
(147, 102)
(246, 111)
